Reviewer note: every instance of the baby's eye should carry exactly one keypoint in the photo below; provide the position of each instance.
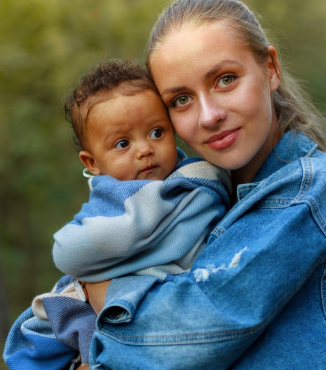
(181, 100)
(226, 80)
(122, 144)
(157, 133)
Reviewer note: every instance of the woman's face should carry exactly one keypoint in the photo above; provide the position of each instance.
(218, 96)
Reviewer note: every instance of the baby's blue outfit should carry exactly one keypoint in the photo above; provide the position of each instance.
(142, 227)
(147, 228)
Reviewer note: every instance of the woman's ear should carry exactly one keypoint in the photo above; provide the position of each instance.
(89, 162)
(274, 69)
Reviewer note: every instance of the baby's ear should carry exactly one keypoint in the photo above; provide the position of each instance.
(89, 162)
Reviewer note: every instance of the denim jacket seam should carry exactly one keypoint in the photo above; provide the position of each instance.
(197, 337)
(217, 231)
(283, 203)
(311, 203)
(323, 290)
(307, 178)
(274, 203)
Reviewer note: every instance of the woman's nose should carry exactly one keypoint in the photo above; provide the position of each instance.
(211, 113)
(144, 149)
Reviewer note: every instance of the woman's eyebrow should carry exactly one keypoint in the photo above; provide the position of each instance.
(173, 90)
(219, 66)
(207, 76)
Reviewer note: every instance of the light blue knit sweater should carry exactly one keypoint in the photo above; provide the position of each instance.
(143, 227)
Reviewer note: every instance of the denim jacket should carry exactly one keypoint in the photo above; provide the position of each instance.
(254, 299)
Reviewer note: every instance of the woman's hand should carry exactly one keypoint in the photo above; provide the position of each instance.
(97, 294)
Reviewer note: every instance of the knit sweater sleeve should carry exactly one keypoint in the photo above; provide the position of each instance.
(105, 230)
(127, 226)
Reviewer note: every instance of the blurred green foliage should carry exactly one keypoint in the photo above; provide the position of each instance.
(44, 46)
(299, 29)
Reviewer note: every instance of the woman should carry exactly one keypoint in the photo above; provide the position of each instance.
(255, 298)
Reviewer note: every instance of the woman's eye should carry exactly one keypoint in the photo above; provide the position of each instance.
(122, 144)
(226, 80)
(156, 134)
(181, 100)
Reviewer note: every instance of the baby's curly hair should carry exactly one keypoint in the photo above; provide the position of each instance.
(126, 77)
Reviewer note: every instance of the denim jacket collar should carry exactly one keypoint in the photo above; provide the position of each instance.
(290, 148)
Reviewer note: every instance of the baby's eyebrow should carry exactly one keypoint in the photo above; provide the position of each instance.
(115, 134)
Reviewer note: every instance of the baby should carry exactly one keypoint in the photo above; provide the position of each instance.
(143, 227)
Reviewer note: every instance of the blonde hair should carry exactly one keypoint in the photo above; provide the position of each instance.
(293, 105)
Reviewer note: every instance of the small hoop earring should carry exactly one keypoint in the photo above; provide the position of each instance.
(86, 174)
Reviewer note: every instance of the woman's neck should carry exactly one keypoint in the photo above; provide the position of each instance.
(247, 173)
(243, 175)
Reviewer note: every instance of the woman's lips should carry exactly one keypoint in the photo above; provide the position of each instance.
(224, 139)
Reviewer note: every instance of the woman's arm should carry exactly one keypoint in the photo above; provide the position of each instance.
(209, 324)
(257, 261)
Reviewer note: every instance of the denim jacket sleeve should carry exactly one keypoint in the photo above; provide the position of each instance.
(250, 279)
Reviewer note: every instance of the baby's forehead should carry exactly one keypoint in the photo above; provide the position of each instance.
(119, 106)
(125, 89)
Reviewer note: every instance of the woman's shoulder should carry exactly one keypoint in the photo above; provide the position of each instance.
(294, 173)
(294, 156)
(295, 170)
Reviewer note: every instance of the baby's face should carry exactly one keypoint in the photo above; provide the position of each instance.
(131, 138)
